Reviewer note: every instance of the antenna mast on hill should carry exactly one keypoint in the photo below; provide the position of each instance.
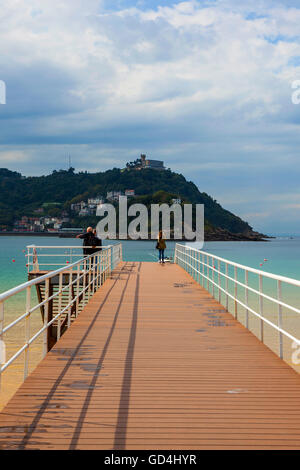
(70, 162)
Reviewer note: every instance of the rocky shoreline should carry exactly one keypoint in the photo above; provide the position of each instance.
(226, 236)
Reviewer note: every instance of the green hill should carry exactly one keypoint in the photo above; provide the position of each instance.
(21, 195)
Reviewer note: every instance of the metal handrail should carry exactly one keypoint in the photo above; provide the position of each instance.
(288, 280)
(35, 258)
(197, 262)
(90, 271)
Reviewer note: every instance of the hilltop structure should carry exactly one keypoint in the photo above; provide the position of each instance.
(143, 163)
(155, 164)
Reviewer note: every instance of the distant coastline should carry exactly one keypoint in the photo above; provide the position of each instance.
(219, 235)
(30, 234)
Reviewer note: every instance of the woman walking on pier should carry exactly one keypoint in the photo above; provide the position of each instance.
(161, 246)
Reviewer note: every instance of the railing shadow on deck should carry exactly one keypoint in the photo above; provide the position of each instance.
(44, 406)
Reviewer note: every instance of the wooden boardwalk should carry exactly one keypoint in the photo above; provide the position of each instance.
(154, 362)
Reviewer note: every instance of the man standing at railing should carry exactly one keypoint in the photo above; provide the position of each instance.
(98, 240)
(89, 240)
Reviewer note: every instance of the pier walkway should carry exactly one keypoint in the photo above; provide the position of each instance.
(155, 362)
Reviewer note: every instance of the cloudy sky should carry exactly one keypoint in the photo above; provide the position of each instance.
(205, 86)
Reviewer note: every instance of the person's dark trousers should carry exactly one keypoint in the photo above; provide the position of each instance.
(87, 251)
(95, 258)
(162, 255)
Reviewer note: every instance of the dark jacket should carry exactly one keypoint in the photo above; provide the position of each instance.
(89, 239)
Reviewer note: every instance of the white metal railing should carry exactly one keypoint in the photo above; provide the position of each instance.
(210, 270)
(45, 258)
(76, 282)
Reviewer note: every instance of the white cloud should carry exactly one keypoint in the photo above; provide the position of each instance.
(12, 156)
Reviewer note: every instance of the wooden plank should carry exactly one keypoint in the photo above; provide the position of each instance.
(146, 366)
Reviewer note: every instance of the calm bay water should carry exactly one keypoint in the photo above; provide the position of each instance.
(283, 255)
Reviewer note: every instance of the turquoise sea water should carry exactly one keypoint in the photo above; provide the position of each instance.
(282, 254)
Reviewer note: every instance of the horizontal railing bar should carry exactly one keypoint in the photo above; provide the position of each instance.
(38, 280)
(48, 264)
(277, 277)
(41, 304)
(63, 247)
(40, 255)
(246, 306)
(15, 322)
(267, 297)
(51, 264)
(44, 302)
(13, 358)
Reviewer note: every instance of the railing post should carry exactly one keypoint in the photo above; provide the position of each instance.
(279, 298)
(77, 291)
(213, 276)
(89, 278)
(207, 273)
(28, 259)
(2, 359)
(84, 283)
(185, 259)
(235, 292)
(219, 280)
(107, 265)
(100, 268)
(187, 268)
(246, 298)
(226, 286)
(46, 317)
(200, 269)
(27, 331)
(98, 271)
(70, 296)
(104, 268)
(109, 262)
(60, 286)
(93, 273)
(261, 307)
